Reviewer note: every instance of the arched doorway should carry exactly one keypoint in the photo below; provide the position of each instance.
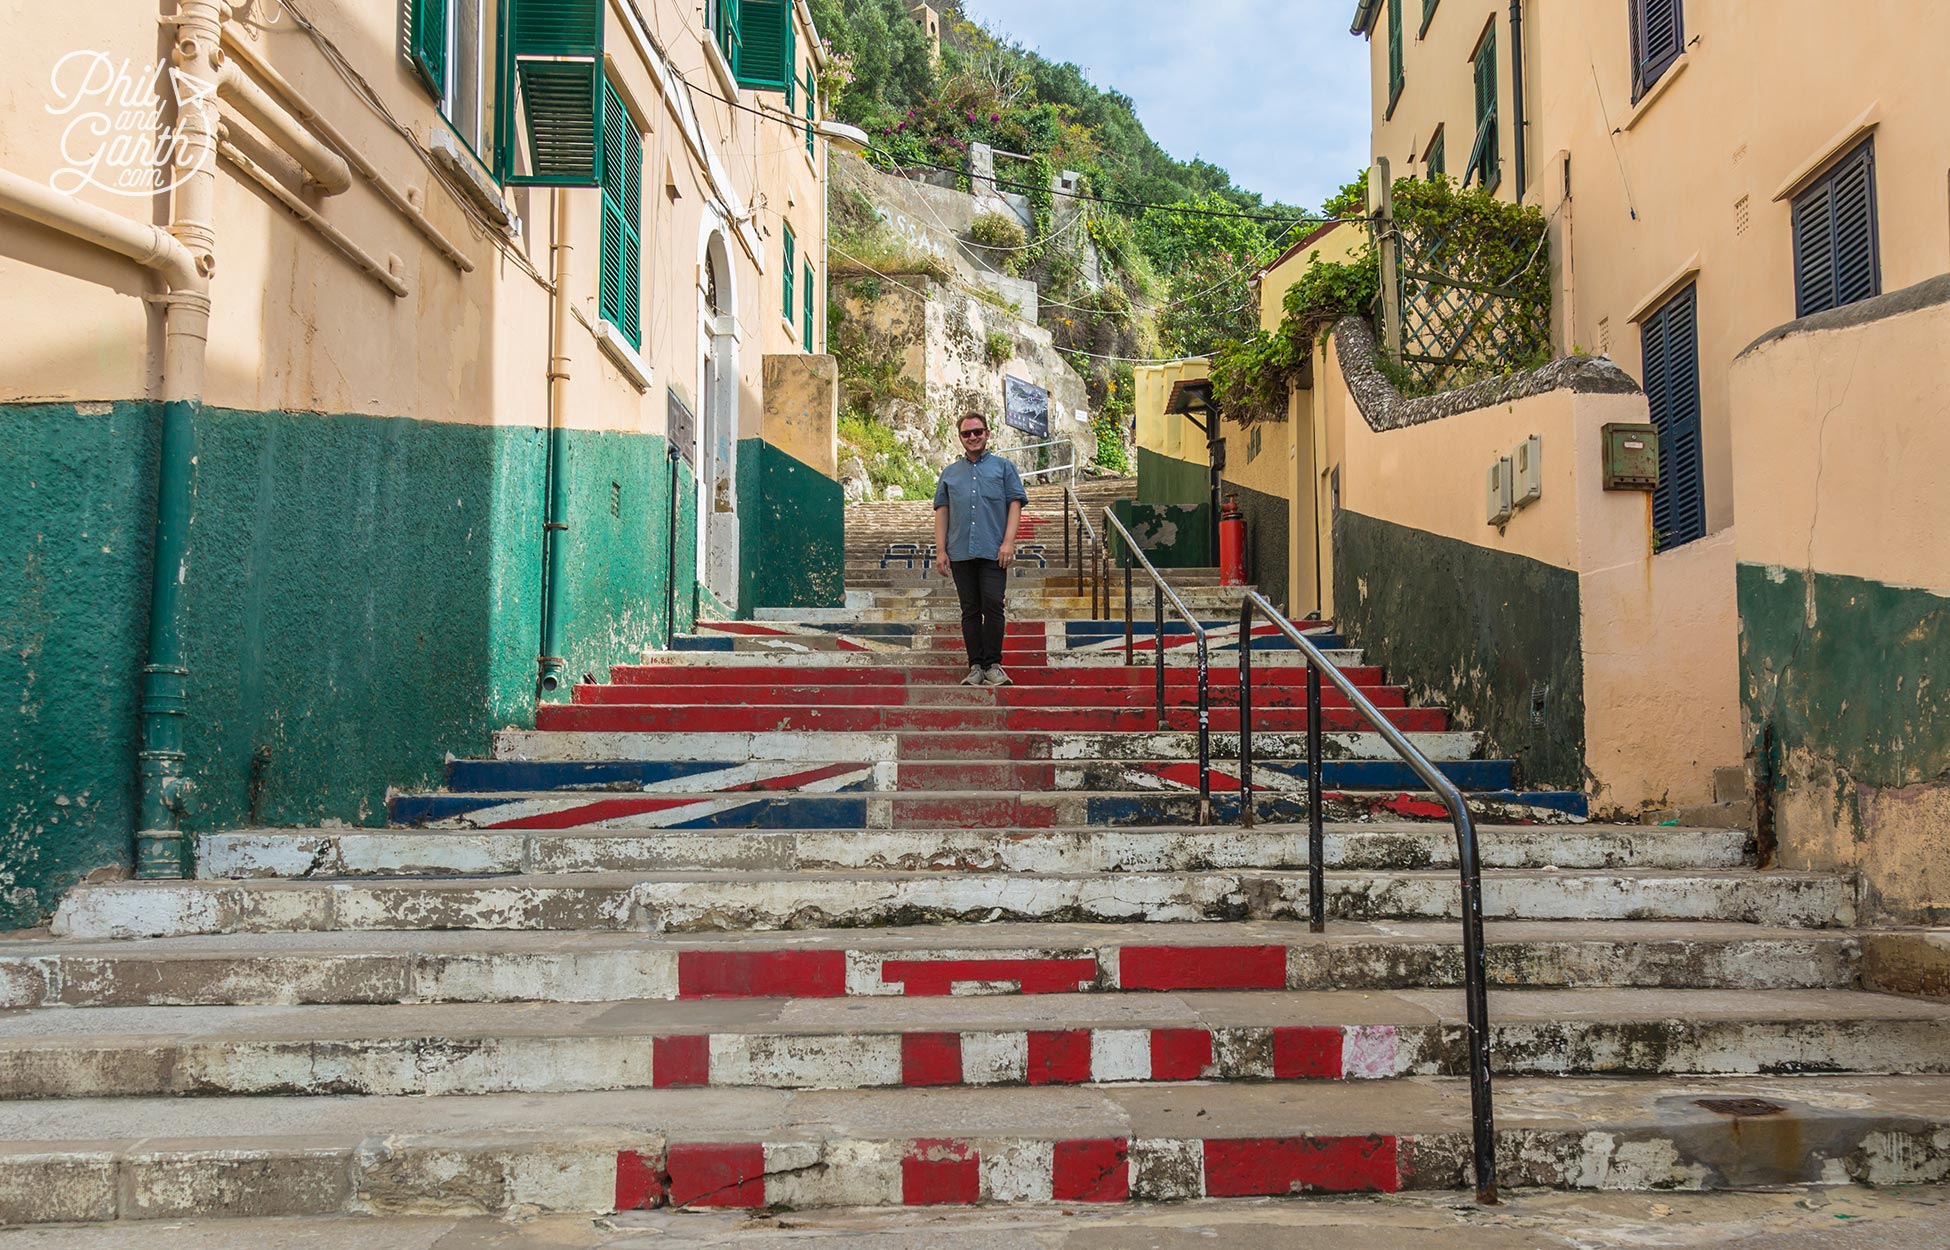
(717, 478)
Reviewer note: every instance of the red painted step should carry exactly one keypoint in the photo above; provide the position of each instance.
(748, 719)
(1081, 696)
(920, 673)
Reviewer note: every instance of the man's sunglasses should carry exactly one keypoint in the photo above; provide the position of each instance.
(977, 433)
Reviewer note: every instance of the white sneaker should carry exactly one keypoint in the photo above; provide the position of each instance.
(975, 676)
(994, 676)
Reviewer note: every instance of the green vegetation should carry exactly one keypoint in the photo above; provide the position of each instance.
(998, 347)
(1466, 234)
(889, 462)
(1005, 234)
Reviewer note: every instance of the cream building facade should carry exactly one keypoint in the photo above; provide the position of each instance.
(479, 344)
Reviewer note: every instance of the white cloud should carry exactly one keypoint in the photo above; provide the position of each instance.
(1273, 91)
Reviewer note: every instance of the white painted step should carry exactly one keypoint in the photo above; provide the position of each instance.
(669, 902)
(77, 1160)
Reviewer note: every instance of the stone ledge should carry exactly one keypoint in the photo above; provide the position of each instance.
(1925, 294)
(1385, 408)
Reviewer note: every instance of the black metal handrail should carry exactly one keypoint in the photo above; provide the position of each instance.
(1072, 506)
(1475, 976)
(1161, 592)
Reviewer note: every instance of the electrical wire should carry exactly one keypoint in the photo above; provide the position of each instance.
(1029, 187)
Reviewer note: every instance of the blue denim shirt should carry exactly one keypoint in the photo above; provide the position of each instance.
(977, 495)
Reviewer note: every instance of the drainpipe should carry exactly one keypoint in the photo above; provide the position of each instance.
(1516, 88)
(164, 789)
(324, 168)
(549, 683)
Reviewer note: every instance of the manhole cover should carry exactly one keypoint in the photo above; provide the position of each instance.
(1740, 1106)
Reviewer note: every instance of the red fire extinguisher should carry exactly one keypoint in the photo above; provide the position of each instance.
(1232, 544)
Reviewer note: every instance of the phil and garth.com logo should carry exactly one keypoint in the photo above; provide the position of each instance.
(122, 136)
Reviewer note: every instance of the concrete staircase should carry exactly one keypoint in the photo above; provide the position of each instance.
(789, 919)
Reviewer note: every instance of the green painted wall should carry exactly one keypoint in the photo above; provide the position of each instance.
(792, 532)
(1167, 479)
(1173, 536)
(1853, 677)
(1493, 636)
(362, 598)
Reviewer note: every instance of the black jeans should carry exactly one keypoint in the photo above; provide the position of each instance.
(980, 584)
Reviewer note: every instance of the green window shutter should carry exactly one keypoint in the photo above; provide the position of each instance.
(765, 38)
(1483, 155)
(789, 242)
(620, 293)
(1438, 162)
(727, 28)
(791, 62)
(1395, 76)
(552, 74)
(809, 306)
(811, 113)
(429, 44)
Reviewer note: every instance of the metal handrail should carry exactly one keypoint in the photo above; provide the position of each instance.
(1475, 976)
(1161, 591)
(1068, 466)
(1072, 506)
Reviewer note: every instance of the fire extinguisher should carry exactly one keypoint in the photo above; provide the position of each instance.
(1232, 544)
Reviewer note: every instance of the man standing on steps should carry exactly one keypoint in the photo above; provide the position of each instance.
(977, 506)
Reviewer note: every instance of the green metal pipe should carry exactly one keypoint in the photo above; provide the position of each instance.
(551, 684)
(165, 678)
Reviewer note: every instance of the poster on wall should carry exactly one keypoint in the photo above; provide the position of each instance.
(1025, 407)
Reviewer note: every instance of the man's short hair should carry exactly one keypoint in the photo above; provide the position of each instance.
(966, 417)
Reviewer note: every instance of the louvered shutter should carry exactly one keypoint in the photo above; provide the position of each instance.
(765, 44)
(1670, 342)
(787, 271)
(428, 50)
(620, 293)
(811, 113)
(1658, 36)
(727, 28)
(809, 307)
(1483, 162)
(1836, 252)
(553, 68)
(1395, 76)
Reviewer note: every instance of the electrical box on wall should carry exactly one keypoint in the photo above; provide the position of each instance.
(1499, 491)
(1527, 472)
(1631, 456)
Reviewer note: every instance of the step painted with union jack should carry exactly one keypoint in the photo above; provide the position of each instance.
(298, 853)
(626, 775)
(963, 961)
(1024, 1041)
(1055, 662)
(952, 810)
(597, 1153)
(918, 745)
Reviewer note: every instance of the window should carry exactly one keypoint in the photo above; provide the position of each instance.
(1435, 158)
(1483, 162)
(449, 53)
(1395, 78)
(811, 113)
(790, 245)
(621, 285)
(1669, 339)
(1428, 15)
(549, 97)
(809, 306)
(1836, 260)
(758, 40)
(1658, 37)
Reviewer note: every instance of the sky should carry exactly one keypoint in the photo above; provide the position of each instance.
(1273, 91)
